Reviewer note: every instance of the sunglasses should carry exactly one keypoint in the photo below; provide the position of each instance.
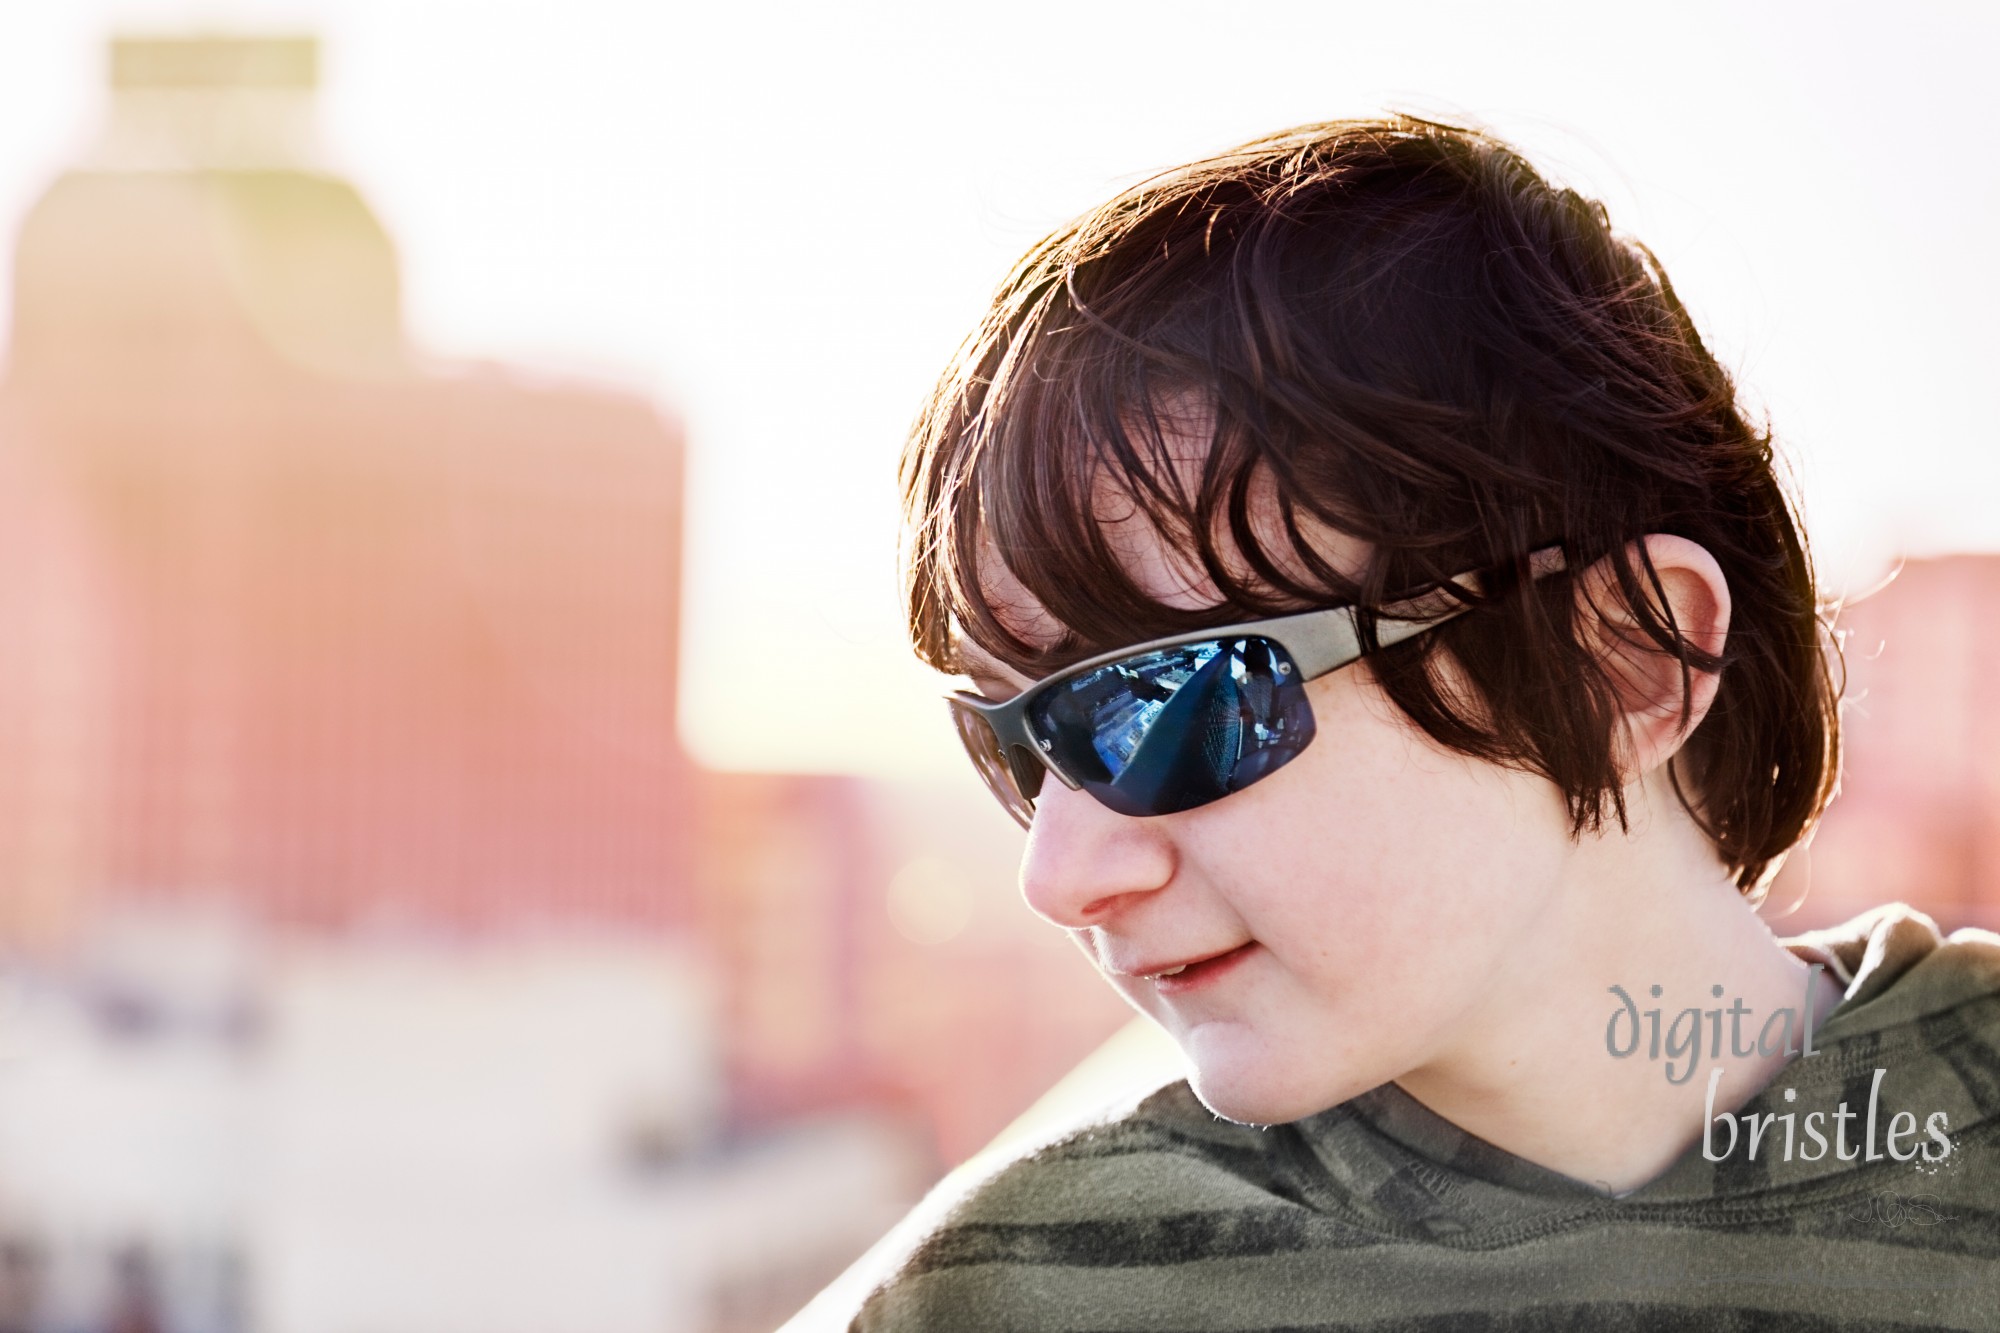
(1178, 723)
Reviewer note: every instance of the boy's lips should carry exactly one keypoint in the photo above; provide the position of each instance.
(1188, 973)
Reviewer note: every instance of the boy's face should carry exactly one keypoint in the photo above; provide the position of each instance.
(1345, 921)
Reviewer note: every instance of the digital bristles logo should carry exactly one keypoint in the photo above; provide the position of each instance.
(1808, 1134)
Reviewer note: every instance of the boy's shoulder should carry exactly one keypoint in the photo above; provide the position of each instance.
(1900, 970)
(1167, 1151)
(1141, 1185)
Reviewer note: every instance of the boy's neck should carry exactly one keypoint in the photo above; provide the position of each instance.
(1534, 1070)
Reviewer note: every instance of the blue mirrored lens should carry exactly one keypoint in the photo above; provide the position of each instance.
(1171, 730)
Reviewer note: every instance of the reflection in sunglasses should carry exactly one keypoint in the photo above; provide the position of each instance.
(1178, 727)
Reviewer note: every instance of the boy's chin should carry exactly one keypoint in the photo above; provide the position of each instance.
(1247, 1099)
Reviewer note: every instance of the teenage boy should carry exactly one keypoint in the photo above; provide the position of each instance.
(1409, 670)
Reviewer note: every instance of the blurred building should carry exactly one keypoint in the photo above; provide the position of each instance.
(326, 630)
(376, 957)
(872, 952)
(1918, 815)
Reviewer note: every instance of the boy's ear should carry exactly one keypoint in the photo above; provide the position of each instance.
(1647, 678)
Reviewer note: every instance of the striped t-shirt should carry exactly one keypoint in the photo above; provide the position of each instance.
(1380, 1214)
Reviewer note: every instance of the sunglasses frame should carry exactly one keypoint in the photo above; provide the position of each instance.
(1319, 642)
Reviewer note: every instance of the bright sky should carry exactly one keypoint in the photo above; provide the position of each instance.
(780, 220)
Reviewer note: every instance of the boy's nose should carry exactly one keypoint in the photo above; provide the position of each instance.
(1085, 862)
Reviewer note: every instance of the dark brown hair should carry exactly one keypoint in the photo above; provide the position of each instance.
(1405, 332)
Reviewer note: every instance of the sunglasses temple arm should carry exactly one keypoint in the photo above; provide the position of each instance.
(1406, 619)
(1339, 640)
(1391, 630)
